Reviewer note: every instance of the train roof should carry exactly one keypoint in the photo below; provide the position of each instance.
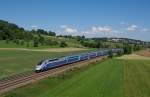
(53, 59)
(71, 56)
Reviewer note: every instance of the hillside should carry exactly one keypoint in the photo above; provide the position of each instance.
(11, 35)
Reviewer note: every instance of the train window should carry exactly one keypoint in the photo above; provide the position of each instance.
(40, 62)
(70, 57)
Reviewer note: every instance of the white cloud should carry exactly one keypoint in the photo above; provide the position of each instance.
(68, 29)
(132, 27)
(123, 29)
(63, 26)
(101, 29)
(34, 27)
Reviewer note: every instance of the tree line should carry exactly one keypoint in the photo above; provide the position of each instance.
(12, 33)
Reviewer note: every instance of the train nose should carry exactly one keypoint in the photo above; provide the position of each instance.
(38, 68)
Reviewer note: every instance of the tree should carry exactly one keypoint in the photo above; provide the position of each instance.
(27, 44)
(41, 31)
(83, 37)
(22, 42)
(119, 53)
(63, 44)
(98, 44)
(35, 42)
(51, 42)
(28, 35)
(137, 47)
(16, 41)
(127, 49)
(41, 39)
(7, 41)
(50, 33)
(110, 54)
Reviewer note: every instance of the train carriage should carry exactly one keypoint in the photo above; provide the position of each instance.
(57, 63)
(84, 57)
(53, 63)
(72, 59)
(100, 53)
(92, 54)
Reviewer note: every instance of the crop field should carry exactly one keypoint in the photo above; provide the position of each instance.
(14, 61)
(144, 53)
(134, 57)
(112, 78)
(137, 78)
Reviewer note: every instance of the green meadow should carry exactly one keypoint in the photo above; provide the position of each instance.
(17, 61)
(111, 78)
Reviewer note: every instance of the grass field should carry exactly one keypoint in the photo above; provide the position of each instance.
(16, 61)
(93, 81)
(70, 43)
(111, 78)
(137, 78)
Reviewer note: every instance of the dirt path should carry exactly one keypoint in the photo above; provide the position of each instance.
(47, 50)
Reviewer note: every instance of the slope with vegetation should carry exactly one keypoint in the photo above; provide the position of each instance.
(11, 34)
(15, 36)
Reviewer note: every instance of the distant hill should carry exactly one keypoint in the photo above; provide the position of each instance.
(19, 37)
(11, 35)
(123, 40)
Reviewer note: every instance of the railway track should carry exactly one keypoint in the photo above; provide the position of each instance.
(15, 76)
(18, 80)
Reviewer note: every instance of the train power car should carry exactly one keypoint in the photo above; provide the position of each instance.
(53, 63)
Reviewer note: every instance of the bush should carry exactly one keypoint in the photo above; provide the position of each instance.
(16, 41)
(63, 44)
(110, 54)
(41, 40)
(51, 42)
(7, 41)
(22, 42)
(27, 45)
(35, 42)
(127, 49)
(119, 53)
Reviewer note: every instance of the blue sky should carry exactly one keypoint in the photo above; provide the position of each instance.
(92, 18)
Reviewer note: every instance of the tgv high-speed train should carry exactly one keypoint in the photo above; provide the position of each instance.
(56, 62)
